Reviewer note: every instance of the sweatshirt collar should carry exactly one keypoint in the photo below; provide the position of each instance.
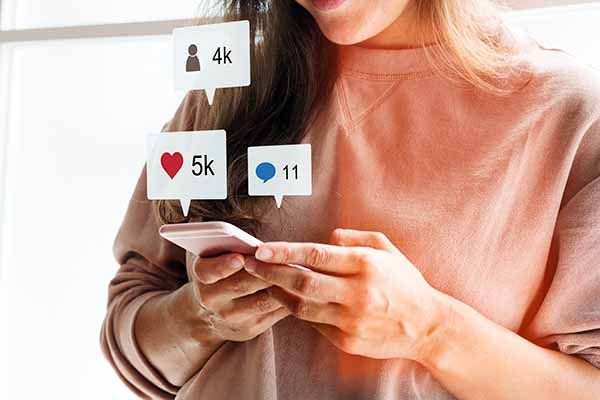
(384, 62)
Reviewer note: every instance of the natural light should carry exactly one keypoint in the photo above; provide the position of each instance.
(81, 157)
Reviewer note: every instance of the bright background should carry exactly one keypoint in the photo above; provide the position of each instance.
(73, 117)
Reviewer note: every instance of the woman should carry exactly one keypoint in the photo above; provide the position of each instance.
(463, 161)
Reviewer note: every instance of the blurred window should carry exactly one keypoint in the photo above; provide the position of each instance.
(73, 118)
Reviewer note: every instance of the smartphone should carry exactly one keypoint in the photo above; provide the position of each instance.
(209, 239)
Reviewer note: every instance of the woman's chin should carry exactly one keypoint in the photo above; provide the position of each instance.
(337, 34)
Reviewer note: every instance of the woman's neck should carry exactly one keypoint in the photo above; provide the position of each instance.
(403, 33)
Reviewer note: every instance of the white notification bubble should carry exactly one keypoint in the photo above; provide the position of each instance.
(187, 166)
(280, 171)
(212, 56)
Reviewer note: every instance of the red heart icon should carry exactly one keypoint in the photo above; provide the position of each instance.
(171, 163)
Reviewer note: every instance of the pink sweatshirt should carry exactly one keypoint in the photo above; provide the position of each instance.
(496, 200)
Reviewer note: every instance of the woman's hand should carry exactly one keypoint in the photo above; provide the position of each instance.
(361, 293)
(179, 331)
(234, 304)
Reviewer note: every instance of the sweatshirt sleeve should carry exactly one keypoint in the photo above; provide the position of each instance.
(149, 266)
(569, 317)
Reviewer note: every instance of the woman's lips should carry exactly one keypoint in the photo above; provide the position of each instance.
(327, 4)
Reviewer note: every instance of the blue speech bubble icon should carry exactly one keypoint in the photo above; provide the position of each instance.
(265, 171)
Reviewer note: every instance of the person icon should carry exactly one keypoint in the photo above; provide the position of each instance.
(193, 63)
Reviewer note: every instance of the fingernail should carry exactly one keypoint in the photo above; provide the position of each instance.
(250, 264)
(236, 262)
(264, 254)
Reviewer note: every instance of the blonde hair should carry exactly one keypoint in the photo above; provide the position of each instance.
(473, 42)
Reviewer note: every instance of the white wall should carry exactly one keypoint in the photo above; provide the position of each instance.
(73, 115)
(575, 29)
(78, 112)
(27, 14)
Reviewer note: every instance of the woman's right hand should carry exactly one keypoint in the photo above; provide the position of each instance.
(180, 331)
(232, 303)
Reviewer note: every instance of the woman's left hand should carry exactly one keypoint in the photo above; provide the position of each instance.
(360, 292)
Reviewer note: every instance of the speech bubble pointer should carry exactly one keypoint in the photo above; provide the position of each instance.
(279, 200)
(185, 206)
(210, 95)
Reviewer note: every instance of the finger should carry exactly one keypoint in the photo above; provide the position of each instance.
(258, 324)
(214, 269)
(309, 310)
(340, 339)
(266, 321)
(243, 308)
(308, 284)
(319, 257)
(354, 238)
(356, 345)
(238, 285)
